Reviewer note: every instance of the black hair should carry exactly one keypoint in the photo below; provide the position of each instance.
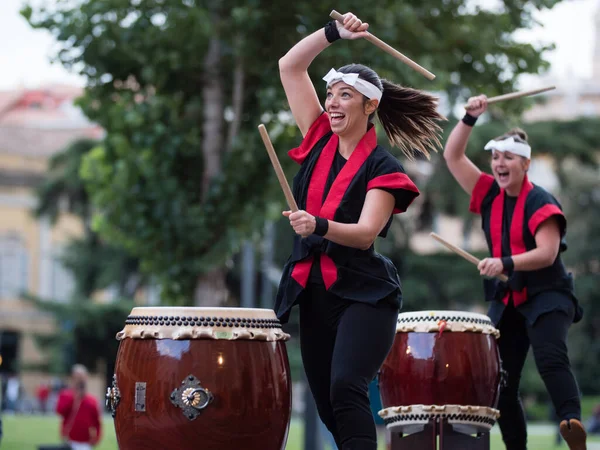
(408, 116)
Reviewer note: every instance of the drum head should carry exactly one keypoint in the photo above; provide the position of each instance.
(435, 321)
(202, 323)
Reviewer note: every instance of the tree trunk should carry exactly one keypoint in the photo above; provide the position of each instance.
(237, 99)
(211, 289)
(213, 112)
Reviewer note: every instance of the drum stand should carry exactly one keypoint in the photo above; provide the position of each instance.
(427, 439)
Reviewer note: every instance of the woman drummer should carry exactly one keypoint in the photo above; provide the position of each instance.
(525, 228)
(347, 189)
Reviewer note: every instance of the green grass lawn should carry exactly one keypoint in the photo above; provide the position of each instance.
(27, 432)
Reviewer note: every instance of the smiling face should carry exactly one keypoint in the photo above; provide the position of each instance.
(348, 112)
(509, 170)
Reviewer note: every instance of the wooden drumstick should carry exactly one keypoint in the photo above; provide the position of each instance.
(463, 253)
(389, 49)
(517, 94)
(278, 170)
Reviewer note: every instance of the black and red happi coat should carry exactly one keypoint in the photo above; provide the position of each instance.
(533, 206)
(350, 273)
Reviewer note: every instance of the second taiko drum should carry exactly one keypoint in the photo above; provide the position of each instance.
(442, 364)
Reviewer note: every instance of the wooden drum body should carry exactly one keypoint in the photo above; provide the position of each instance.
(442, 363)
(190, 378)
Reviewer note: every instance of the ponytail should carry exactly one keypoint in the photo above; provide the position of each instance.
(409, 118)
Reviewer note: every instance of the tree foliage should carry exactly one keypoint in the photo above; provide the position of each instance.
(62, 189)
(582, 191)
(94, 263)
(85, 329)
(180, 87)
(86, 333)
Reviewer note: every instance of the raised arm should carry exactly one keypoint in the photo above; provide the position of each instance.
(461, 167)
(293, 70)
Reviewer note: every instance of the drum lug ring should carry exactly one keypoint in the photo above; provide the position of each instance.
(113, 397)
(191, 397)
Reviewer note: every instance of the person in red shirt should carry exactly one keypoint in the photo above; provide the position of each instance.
(81, 426)
(43, 393)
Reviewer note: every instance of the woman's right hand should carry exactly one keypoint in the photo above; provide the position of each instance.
(476, 106)
(352, 28)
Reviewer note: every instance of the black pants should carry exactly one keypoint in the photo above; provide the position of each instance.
(343, 345)
(548, 339)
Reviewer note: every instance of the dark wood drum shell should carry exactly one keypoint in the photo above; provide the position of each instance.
(451, 368)
(248, 379)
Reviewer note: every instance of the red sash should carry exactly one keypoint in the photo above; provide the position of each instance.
(517, 244)
(327, 210)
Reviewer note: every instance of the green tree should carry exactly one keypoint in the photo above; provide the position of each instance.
(94, 263)
(582, 191)
(86, 329)
(180, 86)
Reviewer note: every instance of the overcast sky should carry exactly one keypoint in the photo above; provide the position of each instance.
(25, 53)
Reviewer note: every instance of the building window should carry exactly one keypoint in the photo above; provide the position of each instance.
(14, 266)
(63, 285)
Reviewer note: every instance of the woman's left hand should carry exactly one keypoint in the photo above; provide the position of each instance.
(490, 267)
(352, 28)
(302, 222)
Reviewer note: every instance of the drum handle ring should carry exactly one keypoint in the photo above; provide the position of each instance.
(191, 397)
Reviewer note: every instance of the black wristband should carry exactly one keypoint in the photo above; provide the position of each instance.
(321, 227)
(508, 263)
(331, 32)
(469, 120)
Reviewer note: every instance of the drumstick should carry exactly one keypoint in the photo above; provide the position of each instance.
(517, 94)
(278, 170)
(463, 253)
(389, 49)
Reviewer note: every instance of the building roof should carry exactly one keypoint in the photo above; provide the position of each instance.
(42, 142)
(41, 122)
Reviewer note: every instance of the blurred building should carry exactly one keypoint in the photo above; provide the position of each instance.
(573, 97)
(34, 125)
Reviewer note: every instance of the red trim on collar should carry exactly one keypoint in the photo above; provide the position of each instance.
(316, 186)
(316, 189)
(496, 224)
(517, 244)
(358, 157)
(317, 130)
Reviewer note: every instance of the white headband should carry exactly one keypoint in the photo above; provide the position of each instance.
(367, 89)
(510, 145)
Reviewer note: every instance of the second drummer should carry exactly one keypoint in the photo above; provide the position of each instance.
(525, 228)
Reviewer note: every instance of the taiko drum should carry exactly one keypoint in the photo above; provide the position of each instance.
(441, 358)
(190, 378)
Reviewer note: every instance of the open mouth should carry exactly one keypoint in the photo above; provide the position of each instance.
(502, 176)
(336, 117)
